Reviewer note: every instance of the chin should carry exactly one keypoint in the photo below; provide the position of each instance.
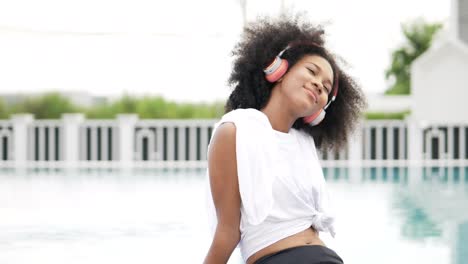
(308, 110)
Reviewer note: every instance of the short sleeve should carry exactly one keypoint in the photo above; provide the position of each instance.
(254, 154)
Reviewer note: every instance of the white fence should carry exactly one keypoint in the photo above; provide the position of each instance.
(127, 141)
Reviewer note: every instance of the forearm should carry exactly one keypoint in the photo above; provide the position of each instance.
(224, 243)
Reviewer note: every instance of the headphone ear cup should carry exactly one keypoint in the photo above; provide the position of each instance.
(276, 69)
(315, 119)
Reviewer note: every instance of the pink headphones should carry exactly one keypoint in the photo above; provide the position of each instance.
(278, 68)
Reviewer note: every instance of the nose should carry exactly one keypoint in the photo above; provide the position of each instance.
(318, 86)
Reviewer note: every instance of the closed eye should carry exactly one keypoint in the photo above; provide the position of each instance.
(313, 73)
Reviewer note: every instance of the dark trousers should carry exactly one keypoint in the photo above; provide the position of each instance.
(313, 254)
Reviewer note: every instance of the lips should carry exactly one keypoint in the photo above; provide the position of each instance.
(311, 94)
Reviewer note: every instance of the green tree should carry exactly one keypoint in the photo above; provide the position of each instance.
(155, 107)
(124, 105)
(418, 38)
(4, 113)
(53, 105)
(50, 105)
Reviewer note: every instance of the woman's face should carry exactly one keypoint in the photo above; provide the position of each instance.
(308, 84)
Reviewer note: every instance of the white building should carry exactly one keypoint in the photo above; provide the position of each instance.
(439, 77)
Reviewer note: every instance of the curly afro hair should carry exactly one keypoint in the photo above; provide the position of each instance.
(261, 41)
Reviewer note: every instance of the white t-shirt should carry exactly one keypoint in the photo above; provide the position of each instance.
(281, 183)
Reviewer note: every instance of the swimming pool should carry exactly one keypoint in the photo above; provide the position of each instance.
(395, 215)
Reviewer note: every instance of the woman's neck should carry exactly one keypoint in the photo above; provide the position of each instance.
(279, 116)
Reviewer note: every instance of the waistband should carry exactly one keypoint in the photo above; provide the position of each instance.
(302, 254)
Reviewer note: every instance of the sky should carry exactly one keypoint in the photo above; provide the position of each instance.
(179, 49)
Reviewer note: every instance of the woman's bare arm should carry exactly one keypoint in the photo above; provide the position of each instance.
(222, 166)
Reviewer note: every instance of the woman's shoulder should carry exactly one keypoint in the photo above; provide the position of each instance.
(242, 124)
(245, 113)
(245, 117)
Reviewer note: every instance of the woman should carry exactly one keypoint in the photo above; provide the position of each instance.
(267, 193)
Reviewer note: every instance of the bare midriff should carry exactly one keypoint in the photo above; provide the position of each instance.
(303, 238)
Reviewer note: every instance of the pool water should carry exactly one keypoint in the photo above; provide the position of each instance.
(390, 215)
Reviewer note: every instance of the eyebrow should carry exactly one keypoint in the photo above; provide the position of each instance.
(320, 69)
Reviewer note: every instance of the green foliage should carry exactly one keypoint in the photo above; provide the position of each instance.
(3, 110)
(124, 105)
(156, 107)
(53, 105)
(382, 115)
(418, 38)
(50, 105)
